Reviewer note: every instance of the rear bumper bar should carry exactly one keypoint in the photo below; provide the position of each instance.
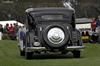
(43, 48)
(75, 47)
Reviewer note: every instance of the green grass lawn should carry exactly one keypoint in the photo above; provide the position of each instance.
(9, 56)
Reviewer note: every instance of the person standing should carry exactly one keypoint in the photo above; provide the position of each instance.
(93, 24)
(1, 32)
(21, 35)
(98, 21)
(11, 32)
(6, 29)
(98, 25)
(16, 28)
(98, 28)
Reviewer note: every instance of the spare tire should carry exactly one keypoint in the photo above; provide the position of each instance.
(56, 35)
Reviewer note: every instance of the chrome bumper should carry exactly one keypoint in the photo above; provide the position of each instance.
(75, 47)
(43, 48)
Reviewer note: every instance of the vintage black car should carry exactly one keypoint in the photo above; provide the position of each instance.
(51, 30)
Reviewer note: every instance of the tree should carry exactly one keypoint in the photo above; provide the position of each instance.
(16, 9)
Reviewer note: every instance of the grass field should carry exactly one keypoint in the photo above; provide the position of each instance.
(9, 56)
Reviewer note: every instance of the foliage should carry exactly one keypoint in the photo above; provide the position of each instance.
(84, 8)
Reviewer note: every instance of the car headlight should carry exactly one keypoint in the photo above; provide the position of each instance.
(56, 35)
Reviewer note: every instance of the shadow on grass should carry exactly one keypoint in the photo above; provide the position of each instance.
(53, 56)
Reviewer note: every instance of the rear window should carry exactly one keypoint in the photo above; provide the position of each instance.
(52, 17)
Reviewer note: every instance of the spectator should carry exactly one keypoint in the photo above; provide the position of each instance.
(16, 27)
(11, 28)
(93, 24)
(1, 31)
(98, 28)
(21, 36)
(94, 37)
(98, 22)
(11, 32)
(6, 28)
(1, 28)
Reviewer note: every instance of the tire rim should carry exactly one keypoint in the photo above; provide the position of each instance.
(56, 35)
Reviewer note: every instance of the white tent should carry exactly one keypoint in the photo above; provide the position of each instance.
(83, 23)
(3, 23)
(83, 26)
